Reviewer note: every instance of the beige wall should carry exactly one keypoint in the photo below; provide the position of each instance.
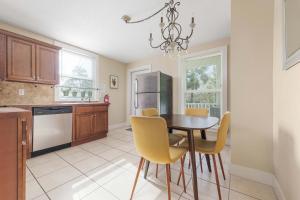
(41, 94)
(251, 83)
(169, 65)
(117, 97)
(286, 116)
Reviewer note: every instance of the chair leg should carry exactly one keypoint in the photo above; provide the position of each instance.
(200, 159)
(168, 174)
(136, 177)
(178, 180)
(156, 173)
(182, 172)
(143, 164)
(217, 177)
(221, 163)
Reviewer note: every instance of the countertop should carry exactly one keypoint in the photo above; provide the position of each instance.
(57, 104)
(11, 110)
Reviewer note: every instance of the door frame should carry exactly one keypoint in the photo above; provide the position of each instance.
(129, 77)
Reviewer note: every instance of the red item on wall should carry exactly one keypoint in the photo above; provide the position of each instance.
(106, 99)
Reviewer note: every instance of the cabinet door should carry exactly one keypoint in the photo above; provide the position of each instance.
(2, 56)
(46, 65)
(13, 158)
(100, 121)
(84, 126)
(20, 60)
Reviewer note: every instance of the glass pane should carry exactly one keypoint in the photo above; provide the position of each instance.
(208, 100)
(76, 65)
(76, 88)
(203, 84)
(75, 82)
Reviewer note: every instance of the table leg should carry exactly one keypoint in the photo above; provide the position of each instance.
(146, 169)
(193, 162)
(203, 136)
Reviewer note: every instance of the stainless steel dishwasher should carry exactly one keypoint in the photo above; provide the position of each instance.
(52, 128)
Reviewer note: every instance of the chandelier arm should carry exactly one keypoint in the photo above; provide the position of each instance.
(178, 30)
(183, 48)
(163, 33)
(142, 20)
(158, 46)
(188, 37)
(175, 11)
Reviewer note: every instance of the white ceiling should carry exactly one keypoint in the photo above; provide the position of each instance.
(96, 25)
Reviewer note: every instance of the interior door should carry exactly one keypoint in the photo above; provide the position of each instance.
(20, 60)
(133, 96)
(47, 65)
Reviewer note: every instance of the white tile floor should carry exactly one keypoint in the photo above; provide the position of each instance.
(105, 169)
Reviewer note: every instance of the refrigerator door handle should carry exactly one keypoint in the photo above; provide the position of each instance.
(135, 94)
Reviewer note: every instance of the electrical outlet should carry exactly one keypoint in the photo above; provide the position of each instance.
(21, 92)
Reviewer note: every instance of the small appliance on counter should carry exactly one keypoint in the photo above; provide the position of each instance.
(52, 129)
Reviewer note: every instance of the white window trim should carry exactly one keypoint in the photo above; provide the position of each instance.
(207, 53)
(93, 56)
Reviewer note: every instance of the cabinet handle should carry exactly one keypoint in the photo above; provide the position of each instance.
(24, 131)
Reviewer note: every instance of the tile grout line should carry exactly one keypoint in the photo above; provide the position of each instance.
(248, 195)
(39, 185)
(108, 161)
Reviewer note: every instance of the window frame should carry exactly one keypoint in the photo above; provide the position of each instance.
(222, 51)
(95, 64)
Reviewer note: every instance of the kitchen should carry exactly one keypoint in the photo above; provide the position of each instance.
(190, 99)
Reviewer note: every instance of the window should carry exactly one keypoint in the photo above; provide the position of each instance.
(77, 76)
(204, 82)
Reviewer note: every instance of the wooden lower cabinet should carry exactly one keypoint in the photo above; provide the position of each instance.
(91, 122)
(100, 122)
(13, 136)
(84, 126)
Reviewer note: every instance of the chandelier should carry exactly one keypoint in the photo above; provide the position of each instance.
(170, 32)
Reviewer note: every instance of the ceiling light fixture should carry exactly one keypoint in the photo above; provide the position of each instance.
(171, 33)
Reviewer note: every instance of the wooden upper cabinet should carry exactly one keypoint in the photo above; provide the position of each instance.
(20, 60)
(23, 59)
(2, 56)
(47, 65)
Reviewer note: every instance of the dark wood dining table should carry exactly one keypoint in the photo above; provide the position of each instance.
(189, 124)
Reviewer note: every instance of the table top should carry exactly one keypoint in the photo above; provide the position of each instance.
(184, 122)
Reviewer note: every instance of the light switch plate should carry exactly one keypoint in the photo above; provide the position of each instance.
(21, 92)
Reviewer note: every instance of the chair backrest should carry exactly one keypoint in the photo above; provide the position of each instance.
(151, 138)
(222, 132)
(150, 112)
(203, 112)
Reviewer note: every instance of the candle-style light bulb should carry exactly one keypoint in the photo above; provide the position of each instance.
(150, 39)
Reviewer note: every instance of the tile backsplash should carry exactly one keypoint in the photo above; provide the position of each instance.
(33, 93)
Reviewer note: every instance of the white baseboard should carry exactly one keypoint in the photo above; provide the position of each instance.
(258, 176)
(115, 126)
(252, 174)
(278, 191)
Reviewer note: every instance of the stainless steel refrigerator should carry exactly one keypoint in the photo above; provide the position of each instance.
(154, 90)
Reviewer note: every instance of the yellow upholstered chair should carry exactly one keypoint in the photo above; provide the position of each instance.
(153, 112)
(152, 143)
(214, 147)
(173, 139)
